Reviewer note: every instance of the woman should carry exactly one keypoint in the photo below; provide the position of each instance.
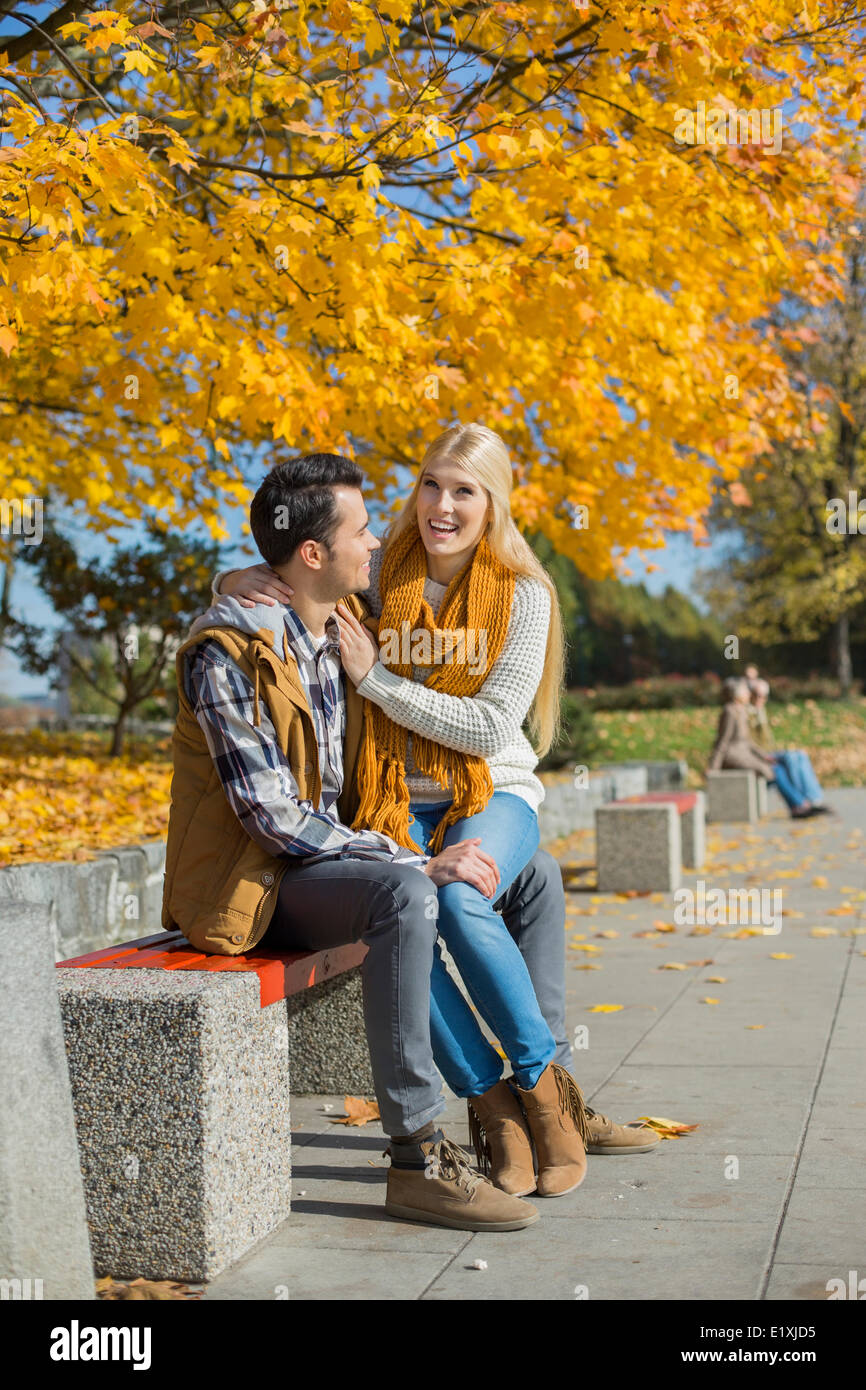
(471, 639)
(795, 761)
(734, 748)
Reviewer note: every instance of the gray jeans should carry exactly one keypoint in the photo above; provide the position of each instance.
(388, 907)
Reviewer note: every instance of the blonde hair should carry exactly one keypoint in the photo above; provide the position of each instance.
(481, 453)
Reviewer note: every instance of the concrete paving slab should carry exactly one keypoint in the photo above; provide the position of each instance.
(339, 1274)
(630, 1259)
(762, 1114)
(805, 1281)
(691, 1187)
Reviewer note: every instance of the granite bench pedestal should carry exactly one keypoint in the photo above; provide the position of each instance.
(181, 1067)
(638, 847)
(733, 795)
(691, 807)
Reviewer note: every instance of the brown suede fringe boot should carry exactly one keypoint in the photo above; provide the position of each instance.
(557, 1119)
(503, 1145)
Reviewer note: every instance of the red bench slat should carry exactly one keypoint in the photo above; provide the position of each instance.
(281, 973)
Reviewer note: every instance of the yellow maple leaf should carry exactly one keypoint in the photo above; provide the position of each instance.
(358, 1112)
(668, 1129)
(605, 1008)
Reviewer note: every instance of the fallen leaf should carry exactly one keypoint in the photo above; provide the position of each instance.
(588, 966)
(137, 1290)
(717, 979)
(819, 881)
(668, 1129)
(358, 1112)
(708, 960)
(577, 946)
(672, 965)
(663, 926)
(700, 931)
(754, 1026)
(824, 931)
(847, 910)
(609, 934)
(605, 1008)
(780, 955)
(709, 1001)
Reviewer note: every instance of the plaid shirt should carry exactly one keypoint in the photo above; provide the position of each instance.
(252, 768)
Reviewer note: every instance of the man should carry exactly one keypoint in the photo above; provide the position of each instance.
(259, 845)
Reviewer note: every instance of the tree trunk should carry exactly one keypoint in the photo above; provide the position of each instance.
(118, 733)
(842, 645)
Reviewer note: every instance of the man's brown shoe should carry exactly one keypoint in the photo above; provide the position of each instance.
(449, 1192)
(606, 1137)
(501, 1139)
(556, 1115)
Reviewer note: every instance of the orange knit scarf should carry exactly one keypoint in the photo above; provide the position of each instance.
(477, 601)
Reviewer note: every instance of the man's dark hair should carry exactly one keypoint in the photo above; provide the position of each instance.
(296, 503)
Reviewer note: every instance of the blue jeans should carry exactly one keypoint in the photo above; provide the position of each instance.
(487, 956)
(798, 765)
(786, 786)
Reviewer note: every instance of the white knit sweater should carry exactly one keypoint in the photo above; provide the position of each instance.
(487, 724)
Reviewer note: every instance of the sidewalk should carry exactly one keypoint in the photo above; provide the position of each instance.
(773, 1075)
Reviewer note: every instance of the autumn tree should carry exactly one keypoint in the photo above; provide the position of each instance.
(346, 226)
(797, 524)
(138, 603)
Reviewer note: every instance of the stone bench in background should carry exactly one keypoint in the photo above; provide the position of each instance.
(182, 1066)
(638, 847)
(691, 807)
(733, 796)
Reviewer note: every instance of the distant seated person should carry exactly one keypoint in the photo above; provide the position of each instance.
(796, 761)
(735, 749)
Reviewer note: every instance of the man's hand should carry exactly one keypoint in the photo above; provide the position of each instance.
(465, 862)
(358, 650)
(256, 584)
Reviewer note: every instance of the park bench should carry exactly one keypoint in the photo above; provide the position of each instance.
(181, 1066)
(691, 807)
(638, 846)
(736, 795)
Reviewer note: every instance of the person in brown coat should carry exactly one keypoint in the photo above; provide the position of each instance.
(735, 748)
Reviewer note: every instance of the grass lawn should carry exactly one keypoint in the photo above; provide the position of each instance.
(832, 731)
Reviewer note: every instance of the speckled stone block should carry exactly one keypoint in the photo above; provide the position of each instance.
(638, 847)
(327, 1038)
(732, 796)
(44, 1250)
(180, 1086)
(761, 791)
(693, 833)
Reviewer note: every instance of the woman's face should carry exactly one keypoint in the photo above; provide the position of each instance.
(452, 510)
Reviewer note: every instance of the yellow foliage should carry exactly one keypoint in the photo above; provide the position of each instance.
(288, 224)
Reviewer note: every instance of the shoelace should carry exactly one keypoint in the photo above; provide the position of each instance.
(456, 1163)
(452, 1162)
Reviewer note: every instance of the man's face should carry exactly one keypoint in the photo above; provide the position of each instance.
(347, 568)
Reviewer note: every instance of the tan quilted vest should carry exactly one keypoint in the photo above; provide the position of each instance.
(220, 885)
